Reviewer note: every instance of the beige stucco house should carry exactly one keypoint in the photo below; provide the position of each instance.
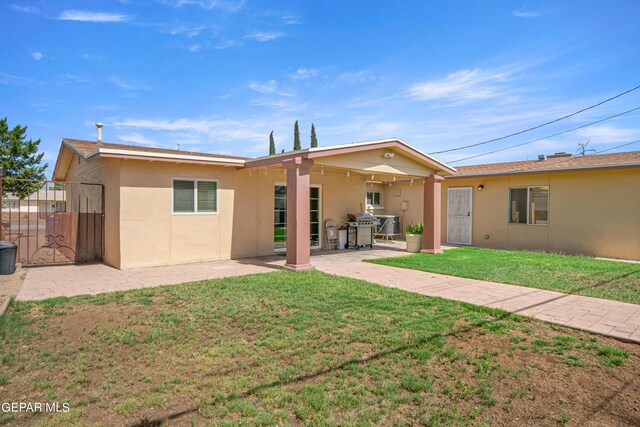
(561, 203)
(165, 207)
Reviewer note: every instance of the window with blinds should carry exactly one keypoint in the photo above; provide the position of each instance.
(194, 196)
(207, 200)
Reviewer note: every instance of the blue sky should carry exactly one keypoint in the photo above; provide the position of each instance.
(218, 76)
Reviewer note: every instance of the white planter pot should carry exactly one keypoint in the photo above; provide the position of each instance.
(414, 242)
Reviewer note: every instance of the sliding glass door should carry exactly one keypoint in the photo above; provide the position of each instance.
(280, 217)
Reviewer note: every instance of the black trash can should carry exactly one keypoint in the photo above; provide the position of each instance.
(8, 253)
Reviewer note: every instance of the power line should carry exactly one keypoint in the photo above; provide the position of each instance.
(538, 126)
(545, 137)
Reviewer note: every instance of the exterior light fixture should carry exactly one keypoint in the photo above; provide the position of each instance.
(480, 187)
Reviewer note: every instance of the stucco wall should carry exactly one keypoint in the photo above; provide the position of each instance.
(594, 213)
(243, 227)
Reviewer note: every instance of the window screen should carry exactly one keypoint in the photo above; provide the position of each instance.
(207, 201)
(539, 205)
(183, 196)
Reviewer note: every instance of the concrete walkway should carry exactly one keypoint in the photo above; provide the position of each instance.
(616, 319)
(607, 317)
(71, 280)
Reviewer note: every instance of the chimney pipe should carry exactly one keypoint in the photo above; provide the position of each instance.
(99, 126)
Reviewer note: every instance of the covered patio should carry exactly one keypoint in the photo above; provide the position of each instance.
(383, 162)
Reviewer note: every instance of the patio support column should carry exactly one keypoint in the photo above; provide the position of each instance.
(298, 216)
(432, 213)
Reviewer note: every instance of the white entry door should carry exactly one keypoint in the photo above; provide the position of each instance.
(459, 216)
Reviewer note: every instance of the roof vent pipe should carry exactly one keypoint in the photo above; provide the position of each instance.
(99, 126)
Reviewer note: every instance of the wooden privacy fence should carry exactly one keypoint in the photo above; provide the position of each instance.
(53, 222)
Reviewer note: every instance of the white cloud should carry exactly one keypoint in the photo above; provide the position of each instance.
(73, 81)
(608, 134)
(291, 19)
(186, 30)
(267, 87)
(265, 36)
(304, 73)
(128, 85)
(226, 5)
(463, 85)
(25, 9)
(85, 16)
(91, 57)
(11, 79)
(363, 76)
(525, 13)
(224, 44)
(37, 55)
(270, 87)
(204, 130)
(136, 138)
(280, 104)
(195, 47)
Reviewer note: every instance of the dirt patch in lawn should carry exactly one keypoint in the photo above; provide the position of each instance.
(191, 363)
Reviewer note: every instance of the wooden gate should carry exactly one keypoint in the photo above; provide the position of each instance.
(53, 222)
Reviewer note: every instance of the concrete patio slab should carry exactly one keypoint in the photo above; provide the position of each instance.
(91, 279)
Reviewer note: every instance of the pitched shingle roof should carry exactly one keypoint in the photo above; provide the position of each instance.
(630, 158)
(88, 148)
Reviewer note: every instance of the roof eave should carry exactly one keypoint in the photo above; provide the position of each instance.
(332, 150)
(546, 170)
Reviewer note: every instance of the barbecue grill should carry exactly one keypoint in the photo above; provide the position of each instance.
(360, 230)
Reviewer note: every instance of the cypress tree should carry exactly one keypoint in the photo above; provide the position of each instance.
(314, 140)
(272, 145)
(296, 137)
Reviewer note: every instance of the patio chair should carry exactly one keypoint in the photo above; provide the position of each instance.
(331, 234)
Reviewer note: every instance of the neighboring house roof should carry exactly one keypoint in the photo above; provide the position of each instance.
(552, 164)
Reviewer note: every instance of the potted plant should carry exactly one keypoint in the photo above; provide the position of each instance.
(413, 236)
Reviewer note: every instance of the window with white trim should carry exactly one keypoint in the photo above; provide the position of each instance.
(195, 196)
(529, 205)
(374, 198)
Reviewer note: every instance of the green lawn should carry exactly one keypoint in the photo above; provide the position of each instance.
(307, 348)
(570, 274)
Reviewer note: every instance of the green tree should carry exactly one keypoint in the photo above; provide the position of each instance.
(296, 137)
(314, 140)
(272, 145)
(20, 159)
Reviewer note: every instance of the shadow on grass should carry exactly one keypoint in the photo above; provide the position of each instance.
(341, 366)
